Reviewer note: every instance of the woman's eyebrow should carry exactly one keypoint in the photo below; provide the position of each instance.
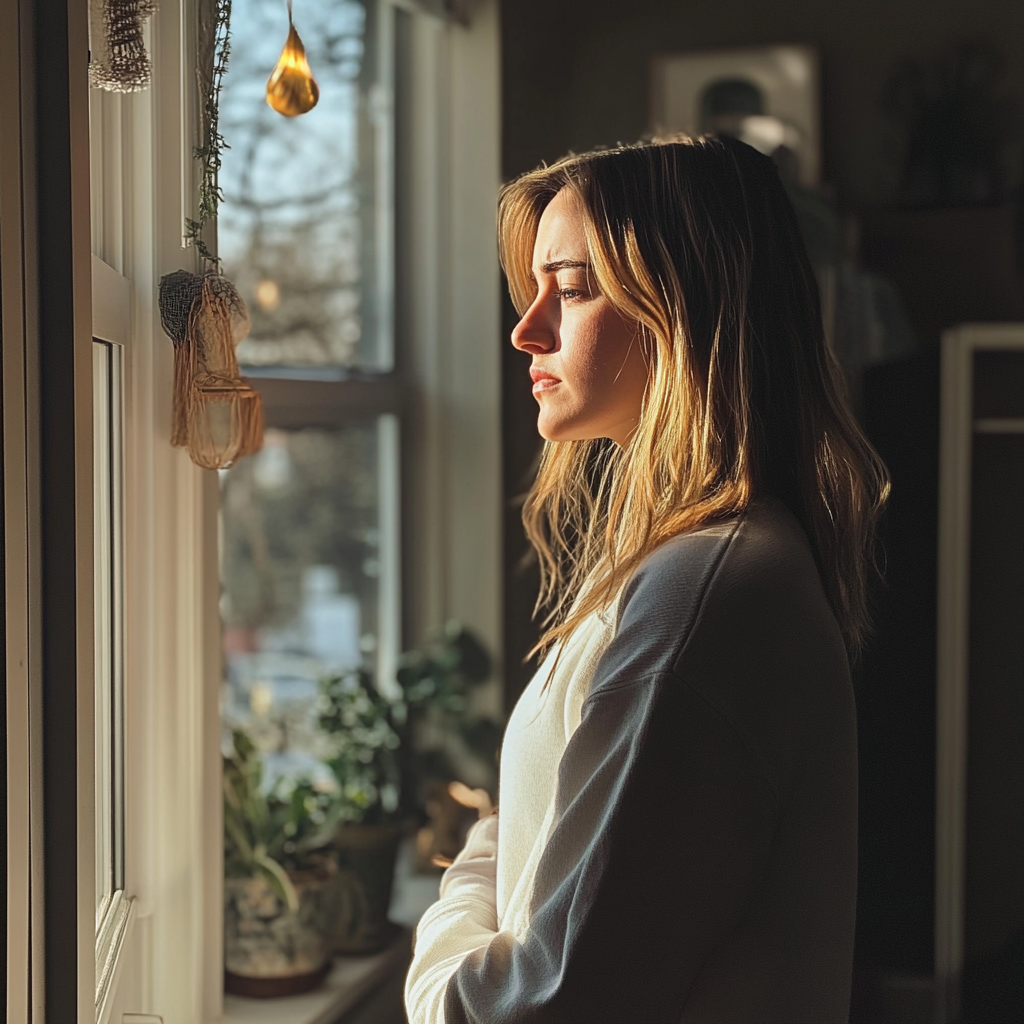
(550, 268)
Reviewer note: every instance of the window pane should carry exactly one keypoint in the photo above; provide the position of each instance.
(303, 229)
(108, 612)
(308, 577)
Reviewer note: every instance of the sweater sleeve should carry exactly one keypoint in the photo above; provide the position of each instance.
(663, 832)
(462, 920)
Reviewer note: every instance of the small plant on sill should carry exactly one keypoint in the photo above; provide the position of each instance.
(386, 751)
(281, 882)
(275, 834)
(387, 756)
(447, 741)
(360, 725)
(438, 680)
(363, 732)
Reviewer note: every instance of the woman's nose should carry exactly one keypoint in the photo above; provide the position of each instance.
(533, 333)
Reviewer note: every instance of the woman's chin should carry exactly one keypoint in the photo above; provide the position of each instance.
(552, 429)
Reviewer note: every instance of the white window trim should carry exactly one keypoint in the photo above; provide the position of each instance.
(454, 317)
(173, 845)
(110, 327)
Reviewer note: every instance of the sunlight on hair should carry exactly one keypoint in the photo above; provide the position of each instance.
(695, 240)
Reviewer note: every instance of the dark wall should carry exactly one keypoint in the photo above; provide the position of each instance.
(575, 71)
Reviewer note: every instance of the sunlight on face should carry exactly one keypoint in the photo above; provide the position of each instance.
(589, 372)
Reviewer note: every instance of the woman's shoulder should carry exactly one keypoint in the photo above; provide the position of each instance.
(748, 583)
(763, 546)
(735, 612)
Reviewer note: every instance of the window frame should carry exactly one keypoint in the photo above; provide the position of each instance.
(47, 371)
(171, 955)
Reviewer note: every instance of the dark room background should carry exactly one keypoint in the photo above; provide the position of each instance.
(576, 74)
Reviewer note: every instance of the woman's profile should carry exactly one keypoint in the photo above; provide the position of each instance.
(677, 837)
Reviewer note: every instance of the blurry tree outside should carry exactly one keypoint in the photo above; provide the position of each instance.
(297, 226)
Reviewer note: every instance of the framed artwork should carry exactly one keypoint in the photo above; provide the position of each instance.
(768, 97)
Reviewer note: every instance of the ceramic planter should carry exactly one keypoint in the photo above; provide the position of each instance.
(366, 873)
(270, 950)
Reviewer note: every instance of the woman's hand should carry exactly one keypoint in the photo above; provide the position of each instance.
(464, 919)
(476, 865)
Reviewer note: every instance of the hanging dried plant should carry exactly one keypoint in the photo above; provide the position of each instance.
(209, 153)
(118, 61)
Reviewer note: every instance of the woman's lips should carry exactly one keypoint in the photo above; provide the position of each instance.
(543, 381)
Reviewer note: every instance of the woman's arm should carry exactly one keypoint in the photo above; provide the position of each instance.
(462, 920)
(663, 831)
(724, 693)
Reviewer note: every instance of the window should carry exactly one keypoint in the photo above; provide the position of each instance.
(363, 245)
(305, 228)
(309, 576)
(310, 525)
(438, 407)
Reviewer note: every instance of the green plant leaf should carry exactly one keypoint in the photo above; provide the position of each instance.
(278, 878)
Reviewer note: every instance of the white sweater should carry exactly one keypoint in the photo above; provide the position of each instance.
(489, 886)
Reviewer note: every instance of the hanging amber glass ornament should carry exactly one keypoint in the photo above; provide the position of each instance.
(291, 88)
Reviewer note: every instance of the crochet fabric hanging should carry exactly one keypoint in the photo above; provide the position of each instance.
(214, 413)
(118, 61)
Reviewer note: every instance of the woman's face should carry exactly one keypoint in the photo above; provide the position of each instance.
(589, 372)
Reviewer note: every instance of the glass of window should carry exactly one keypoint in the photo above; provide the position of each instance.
(308, 577)
(305, 225)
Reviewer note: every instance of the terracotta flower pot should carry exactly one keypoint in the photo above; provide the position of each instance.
(366, 873)
(270, 950)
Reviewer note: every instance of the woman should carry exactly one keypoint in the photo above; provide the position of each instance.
(677, 837)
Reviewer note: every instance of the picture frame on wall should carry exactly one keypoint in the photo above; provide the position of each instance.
(767, 96)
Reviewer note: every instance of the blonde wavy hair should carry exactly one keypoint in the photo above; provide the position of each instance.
(696, 241)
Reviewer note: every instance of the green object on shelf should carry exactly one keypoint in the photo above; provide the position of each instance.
(363, 728)
(272, 834)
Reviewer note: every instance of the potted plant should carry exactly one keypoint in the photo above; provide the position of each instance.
(445, 741)
(387, 755)
(280, 886)
(362, 727)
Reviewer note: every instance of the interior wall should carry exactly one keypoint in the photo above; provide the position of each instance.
(575, 73)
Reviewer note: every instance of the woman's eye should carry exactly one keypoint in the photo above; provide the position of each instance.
(568, 294)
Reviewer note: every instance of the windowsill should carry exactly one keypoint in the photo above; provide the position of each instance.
(350, 981)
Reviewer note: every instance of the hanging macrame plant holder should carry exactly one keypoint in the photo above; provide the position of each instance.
(215, 414)
(118, 61)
